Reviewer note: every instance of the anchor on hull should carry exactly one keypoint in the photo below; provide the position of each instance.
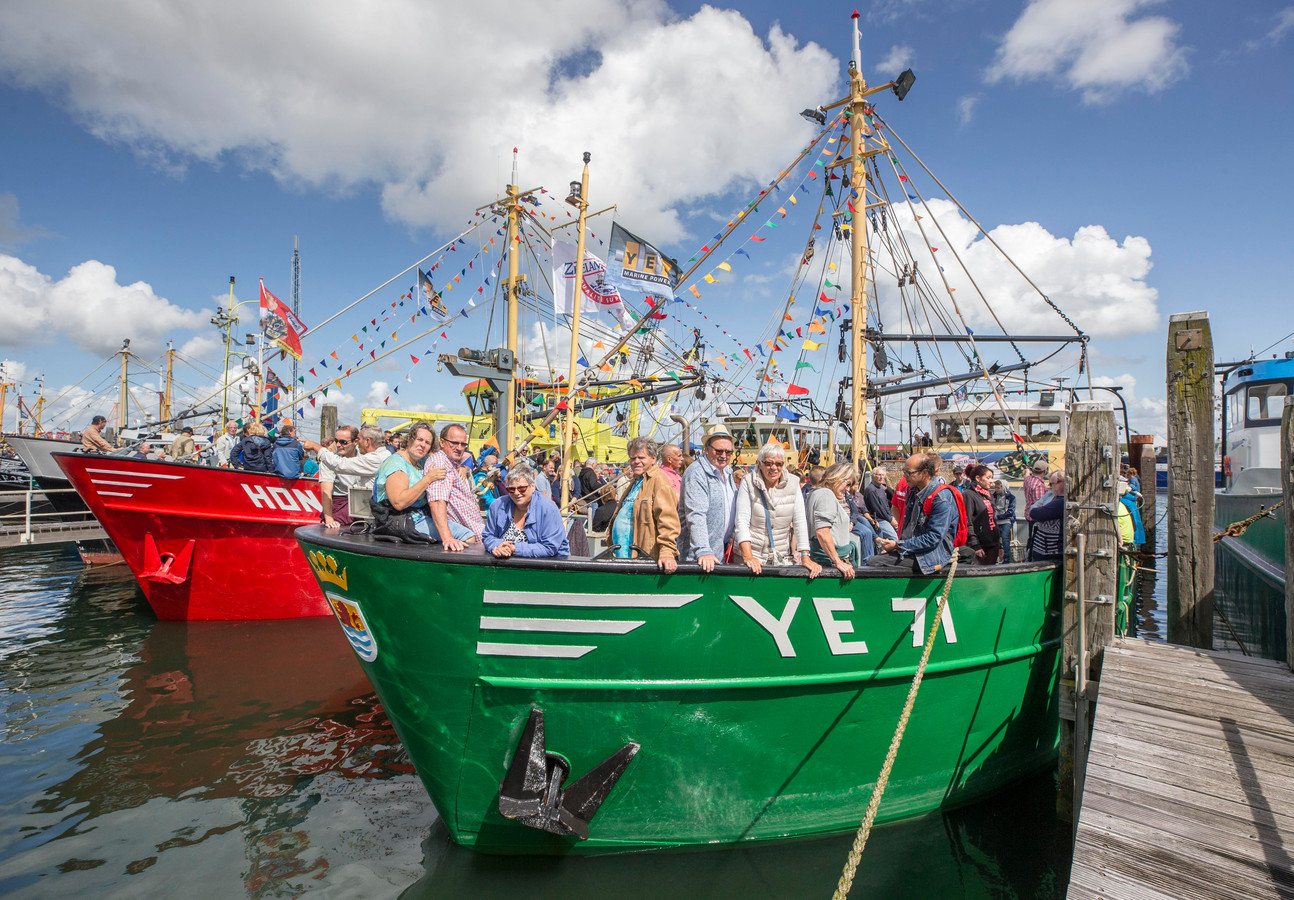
(531, 791)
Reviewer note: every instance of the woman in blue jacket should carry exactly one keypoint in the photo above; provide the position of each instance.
(524, 522)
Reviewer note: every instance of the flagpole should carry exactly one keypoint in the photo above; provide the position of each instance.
(260, 376)
(568, 436)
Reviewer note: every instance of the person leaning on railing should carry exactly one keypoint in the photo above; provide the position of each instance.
(524, 522)
(770, 526)
(1047, 542)
(646, 514)
(833, 542)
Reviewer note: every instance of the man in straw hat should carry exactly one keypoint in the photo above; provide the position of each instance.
(708, 501)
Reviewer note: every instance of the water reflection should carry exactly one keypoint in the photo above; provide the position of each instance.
(1009, 847)
(239, 753)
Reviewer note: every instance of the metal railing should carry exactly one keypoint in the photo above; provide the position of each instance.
(45, 522)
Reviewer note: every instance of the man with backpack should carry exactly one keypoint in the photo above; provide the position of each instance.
(933, 524)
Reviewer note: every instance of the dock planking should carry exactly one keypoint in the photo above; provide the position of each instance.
(1190, 780)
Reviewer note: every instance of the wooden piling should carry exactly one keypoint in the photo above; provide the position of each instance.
(1287, 493)
(1142, 455)
(1092, 468)
(1190, 387)
(328, 421)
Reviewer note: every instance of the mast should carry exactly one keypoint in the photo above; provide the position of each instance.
(509, 398)
(124, 386)
(166, 395)
(581, 200)
(859, 251)
(40, 406)
(4, 390)
(225, 322)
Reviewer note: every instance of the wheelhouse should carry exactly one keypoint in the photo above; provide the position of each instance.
(1253, 397)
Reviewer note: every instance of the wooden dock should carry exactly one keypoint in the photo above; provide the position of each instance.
(1189, 790)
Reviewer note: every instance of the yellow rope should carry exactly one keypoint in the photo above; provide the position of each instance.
(865, 830)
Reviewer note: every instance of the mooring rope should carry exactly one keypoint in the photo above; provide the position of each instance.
(865, 830)
(1236, 529)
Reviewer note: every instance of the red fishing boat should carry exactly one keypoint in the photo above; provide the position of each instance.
(205, 543)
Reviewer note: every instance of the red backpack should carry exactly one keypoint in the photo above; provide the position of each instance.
(959, 540)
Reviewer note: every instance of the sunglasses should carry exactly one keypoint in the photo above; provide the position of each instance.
(773, 462)
(717, 452)
(342, 441)
(519, 489)
(448, 443)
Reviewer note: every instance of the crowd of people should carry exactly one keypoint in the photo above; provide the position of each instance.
(665, 505)
(670, 508)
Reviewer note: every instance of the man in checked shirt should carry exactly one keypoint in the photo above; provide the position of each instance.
(452, 498)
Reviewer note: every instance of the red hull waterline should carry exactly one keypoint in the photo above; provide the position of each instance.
(205, 543)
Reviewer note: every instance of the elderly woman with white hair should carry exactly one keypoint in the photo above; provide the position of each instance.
(770, 526)
(524, 522)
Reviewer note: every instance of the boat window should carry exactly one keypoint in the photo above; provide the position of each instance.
(994, 429)
(1234, 417)
(951, 431)
(1265, 402)
(1042, 429)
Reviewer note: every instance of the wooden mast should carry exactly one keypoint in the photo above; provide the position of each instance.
(124, 386)
(509, 398)
(166, 396)
(568, 436)
(4, 390)
(859, 251)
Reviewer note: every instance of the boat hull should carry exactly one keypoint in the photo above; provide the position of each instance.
(1249, 573)
(204, 543)
(763, 706)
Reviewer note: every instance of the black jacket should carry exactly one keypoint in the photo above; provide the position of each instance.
(979, 534)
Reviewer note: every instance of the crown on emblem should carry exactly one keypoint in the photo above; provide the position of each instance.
(325, 568)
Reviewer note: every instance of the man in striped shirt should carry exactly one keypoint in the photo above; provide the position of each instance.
(1035, 484)
(452, 498)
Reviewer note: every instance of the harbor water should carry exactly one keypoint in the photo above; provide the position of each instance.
(154, 759)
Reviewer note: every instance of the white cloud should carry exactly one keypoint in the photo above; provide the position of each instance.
(1099, 282)
(1146, 415)
(377, 390)
(87, 306)
(428, 100)
(1094, 47)
(13, 370)
(899, 58)
(12, 231)
(1280, 25)
(203, 347)
(966, 108)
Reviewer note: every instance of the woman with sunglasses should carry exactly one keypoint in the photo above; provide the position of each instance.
(524, 522)
(770, 527)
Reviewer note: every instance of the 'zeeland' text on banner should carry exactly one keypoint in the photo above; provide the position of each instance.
(280, 324)
(635, 265)
(596, 292)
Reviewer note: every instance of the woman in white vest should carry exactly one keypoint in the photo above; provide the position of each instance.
(769, 525)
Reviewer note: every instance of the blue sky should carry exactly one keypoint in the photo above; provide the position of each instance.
(180, 151)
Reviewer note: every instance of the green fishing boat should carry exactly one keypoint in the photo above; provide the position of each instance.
(761, 707)
(584, 705)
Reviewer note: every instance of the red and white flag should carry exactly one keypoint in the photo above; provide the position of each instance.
(280, 324)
